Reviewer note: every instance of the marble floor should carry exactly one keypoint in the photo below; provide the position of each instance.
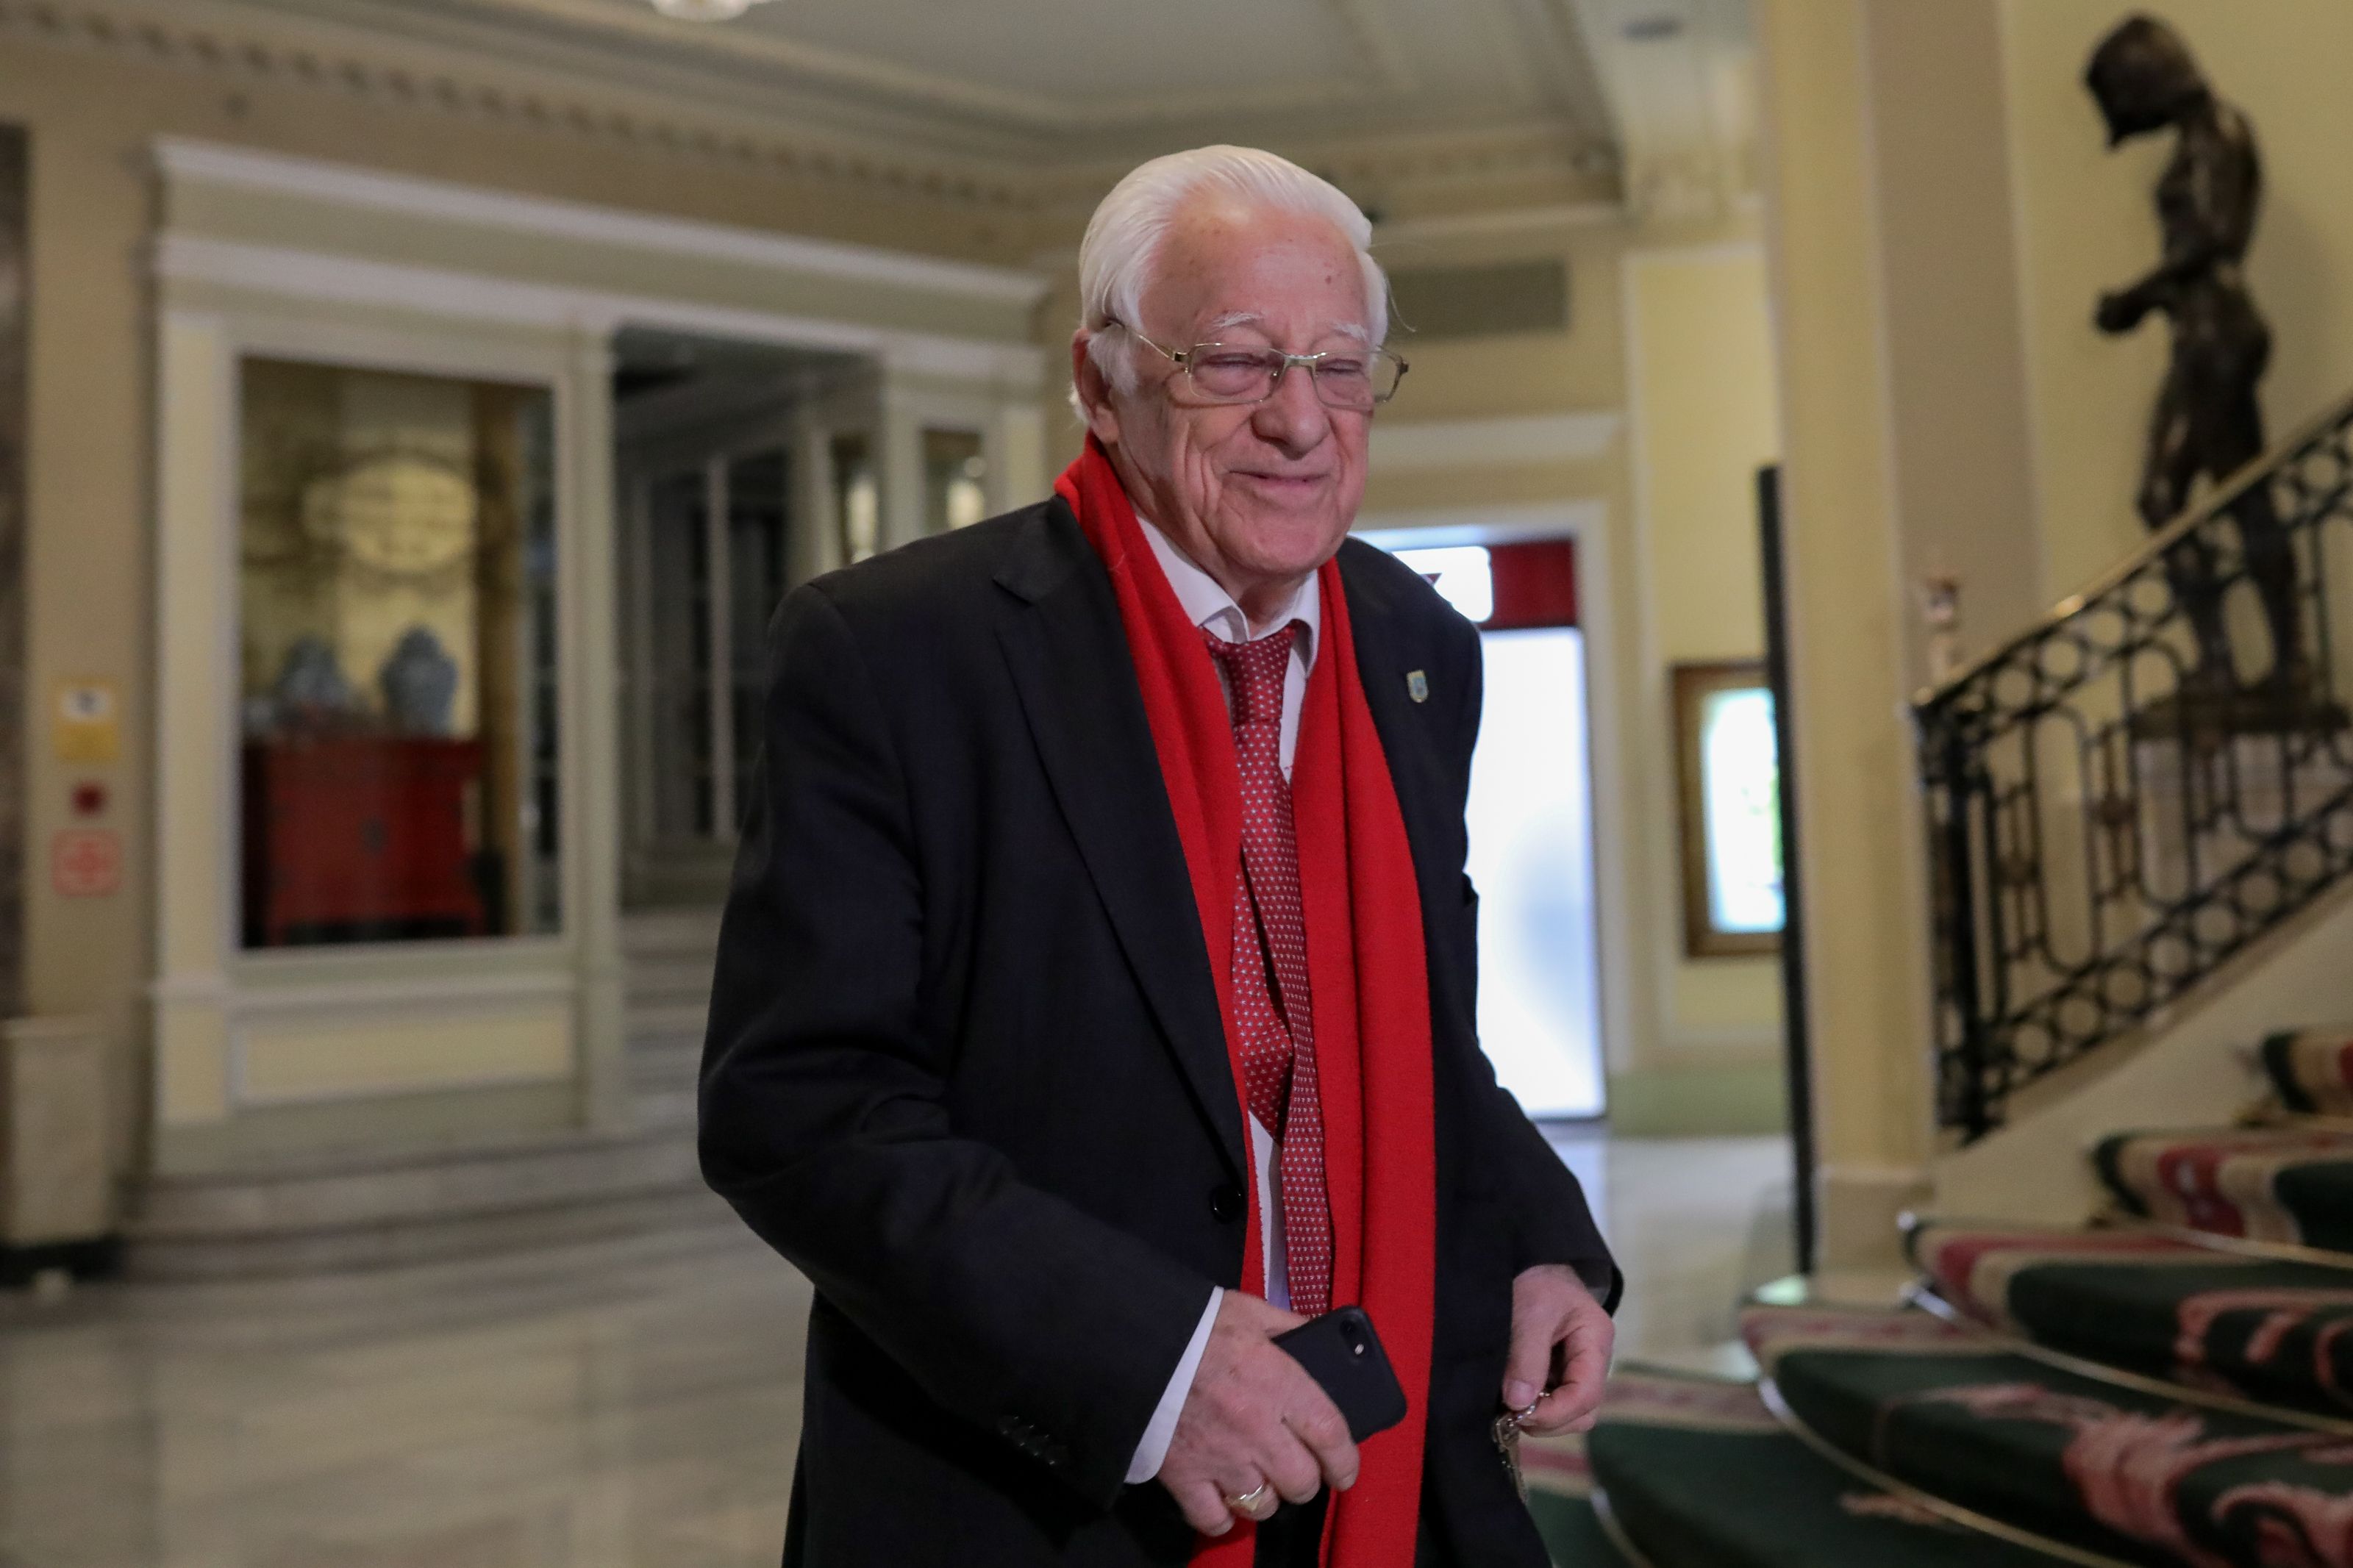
(628, 1405)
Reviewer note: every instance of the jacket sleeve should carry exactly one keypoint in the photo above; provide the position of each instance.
(824, 1116)
(1552, 1221)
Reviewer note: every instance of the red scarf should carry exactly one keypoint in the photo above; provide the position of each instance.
(1367, 976)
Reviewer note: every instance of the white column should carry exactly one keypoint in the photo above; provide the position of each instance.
(196, 816)
(590, 740)
(1017, 455)
(900, 463)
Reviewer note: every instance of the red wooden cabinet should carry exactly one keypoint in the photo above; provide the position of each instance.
(359, 837)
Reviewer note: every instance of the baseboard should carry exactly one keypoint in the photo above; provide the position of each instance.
(1861, 1209)
(97, 1257)
(1733, 1099)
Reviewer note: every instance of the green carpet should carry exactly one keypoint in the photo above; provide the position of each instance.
(2109, 1470)
(1699, 1475)
(2275, 1332)
(2264, 1184)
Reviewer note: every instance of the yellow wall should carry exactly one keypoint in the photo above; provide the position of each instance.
(1703, 419)
(2086, 223)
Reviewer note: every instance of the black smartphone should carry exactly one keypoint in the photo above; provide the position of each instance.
(1341, 1351)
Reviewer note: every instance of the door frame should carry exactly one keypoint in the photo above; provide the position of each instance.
(659, 868)
(1585, 524)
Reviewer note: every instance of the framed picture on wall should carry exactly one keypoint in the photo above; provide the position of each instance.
(1730, 808)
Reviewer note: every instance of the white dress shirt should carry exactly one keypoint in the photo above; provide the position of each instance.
(1213, 609)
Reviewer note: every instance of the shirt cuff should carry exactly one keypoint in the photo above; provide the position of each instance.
(1162, 1428)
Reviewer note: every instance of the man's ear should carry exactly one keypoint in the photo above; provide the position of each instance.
(1093, 389)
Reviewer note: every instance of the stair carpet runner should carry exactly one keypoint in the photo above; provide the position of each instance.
(2174, 1388)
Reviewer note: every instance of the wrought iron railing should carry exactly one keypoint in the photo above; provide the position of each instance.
(2124, 796)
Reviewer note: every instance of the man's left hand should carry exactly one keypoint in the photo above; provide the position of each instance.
(1560, 1349)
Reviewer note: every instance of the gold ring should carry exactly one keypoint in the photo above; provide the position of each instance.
(1247, 1504)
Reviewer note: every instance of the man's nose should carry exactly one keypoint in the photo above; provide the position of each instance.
(1293, 418)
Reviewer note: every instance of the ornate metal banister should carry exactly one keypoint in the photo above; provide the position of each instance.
(2112, 816)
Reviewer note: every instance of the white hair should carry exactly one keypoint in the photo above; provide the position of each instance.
(1124, 238)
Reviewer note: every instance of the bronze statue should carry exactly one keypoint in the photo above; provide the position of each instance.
(2207, 421)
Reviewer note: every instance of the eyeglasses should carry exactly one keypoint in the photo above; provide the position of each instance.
(1352, 379)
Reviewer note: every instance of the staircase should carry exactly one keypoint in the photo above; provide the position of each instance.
(2124, 798)
(2172, 1386)
(371, 1208)
(2140, 816)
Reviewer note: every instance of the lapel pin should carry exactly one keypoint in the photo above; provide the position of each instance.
(1417, 686)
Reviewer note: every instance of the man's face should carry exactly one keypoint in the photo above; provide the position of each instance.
(1260, 494)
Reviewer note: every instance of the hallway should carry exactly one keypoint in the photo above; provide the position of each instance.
(634, 1403)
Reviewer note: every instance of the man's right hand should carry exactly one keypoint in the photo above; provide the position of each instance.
(1253, 1415)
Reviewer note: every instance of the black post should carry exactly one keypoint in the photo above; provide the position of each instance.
(1972, 1112)
(1797, 1048)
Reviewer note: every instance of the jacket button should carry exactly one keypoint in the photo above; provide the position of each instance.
(1225, 1203)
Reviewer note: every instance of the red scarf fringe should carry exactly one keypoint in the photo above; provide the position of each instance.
(1367, 968)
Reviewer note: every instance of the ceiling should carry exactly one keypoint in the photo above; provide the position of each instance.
(1079, 85)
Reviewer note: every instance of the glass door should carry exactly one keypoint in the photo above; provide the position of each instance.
(714, 551)
(1531, 822)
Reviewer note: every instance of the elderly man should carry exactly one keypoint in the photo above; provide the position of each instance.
(1094, 1000)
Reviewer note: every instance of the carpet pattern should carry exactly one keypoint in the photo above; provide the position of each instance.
(1699, 1473)
(2283, 1184)
(2172, 1390)
(2275, 1332)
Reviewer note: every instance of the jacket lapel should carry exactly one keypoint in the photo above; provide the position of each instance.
(1068, 657)
(1382, 644)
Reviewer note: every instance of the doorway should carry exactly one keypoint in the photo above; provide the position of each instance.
(743, 470)
(1531, 820)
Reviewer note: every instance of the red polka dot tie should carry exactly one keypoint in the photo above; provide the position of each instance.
(1273, 1010)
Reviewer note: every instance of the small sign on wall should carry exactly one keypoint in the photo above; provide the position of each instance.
(88, 726)
(86, 863)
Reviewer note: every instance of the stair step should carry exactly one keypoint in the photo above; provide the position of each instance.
(366, 1209)
(1561, 1500)
(2263, 1330)
(1697, 1474)
(2310, 1070)
(2261, 1184)
(2099, 1467)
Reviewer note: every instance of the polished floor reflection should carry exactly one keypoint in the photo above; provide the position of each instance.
(626, 1406)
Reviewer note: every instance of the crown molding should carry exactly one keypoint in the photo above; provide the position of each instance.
(664, 115)
(341, 184)
(525, 29)
(235, 39)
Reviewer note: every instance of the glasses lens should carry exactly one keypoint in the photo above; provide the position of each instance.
(1228, 374)
(1357, 381)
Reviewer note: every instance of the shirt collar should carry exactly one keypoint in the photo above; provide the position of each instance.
(1210, 607)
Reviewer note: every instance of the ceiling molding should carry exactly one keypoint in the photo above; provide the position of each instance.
(236, 41)
(341, 184)
(266, 43)
(566, 21)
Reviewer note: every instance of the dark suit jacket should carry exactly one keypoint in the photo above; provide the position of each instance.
(965, 1068)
